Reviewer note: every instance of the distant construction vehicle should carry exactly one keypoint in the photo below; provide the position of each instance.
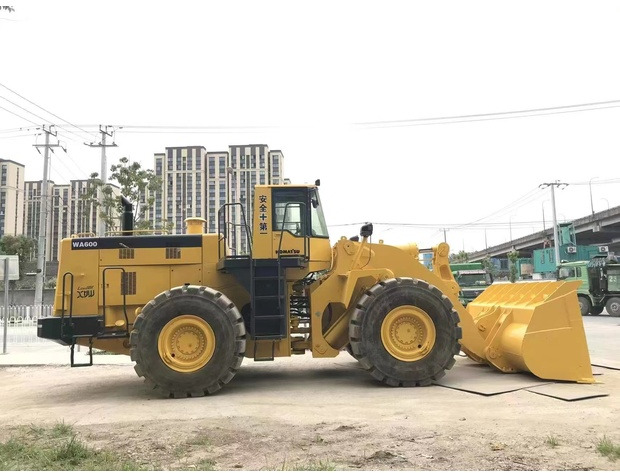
(472, 278)
(600, 284)
(188, 310)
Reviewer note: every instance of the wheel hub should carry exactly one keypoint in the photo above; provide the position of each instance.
(408, 333)
(186, 343)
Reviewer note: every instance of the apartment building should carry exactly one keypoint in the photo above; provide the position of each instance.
(182, 171)
(249, 165)
(33, 196)
(197, 182)
(11, 197)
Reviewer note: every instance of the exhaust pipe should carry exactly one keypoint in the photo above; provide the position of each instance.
(127, 217)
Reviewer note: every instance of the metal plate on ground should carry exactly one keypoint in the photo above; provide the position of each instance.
(472, 377)
(605, 363)
(569, 391)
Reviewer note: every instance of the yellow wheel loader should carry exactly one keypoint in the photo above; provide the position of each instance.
(188, 308)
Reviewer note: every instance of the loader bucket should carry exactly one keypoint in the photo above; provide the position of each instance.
(535, 327)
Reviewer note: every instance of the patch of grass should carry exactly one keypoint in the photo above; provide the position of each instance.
(57, 448)
(608, 449)
(552, 441)
(60, 429)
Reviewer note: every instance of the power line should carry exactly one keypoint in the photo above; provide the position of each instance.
(497, 115)
(45, 110)
(18, 115)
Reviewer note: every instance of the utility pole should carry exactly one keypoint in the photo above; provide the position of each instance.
(40, 277)
(104, 169)
(556, 238)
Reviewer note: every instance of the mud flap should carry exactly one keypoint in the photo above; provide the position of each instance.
(535, 327)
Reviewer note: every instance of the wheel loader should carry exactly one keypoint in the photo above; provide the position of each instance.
(188, 308)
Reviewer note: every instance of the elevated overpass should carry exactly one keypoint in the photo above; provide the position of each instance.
(601, 228)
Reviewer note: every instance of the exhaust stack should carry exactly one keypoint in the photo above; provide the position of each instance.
(127, 218)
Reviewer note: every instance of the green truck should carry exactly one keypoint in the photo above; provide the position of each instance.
(472, 278)
(600, 284)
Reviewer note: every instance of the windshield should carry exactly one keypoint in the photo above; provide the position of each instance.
(565, 273)
(319, 228)
(483, 279)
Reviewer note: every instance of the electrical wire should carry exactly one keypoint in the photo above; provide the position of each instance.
(47, 111)
(497, 115)
(18, 115)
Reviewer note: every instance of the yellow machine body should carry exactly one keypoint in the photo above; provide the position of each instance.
(532, 327)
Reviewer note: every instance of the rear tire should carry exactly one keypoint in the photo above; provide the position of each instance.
(405, 332)
(613, 306)
(188, 342)
(584, 305)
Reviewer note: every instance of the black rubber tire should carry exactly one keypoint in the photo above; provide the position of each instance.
(213, 307)
(365, 332)
(349, 350)
(585, 306)
(613, 306)
(597, 309)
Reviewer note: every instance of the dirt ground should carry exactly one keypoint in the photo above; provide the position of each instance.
(302, 413)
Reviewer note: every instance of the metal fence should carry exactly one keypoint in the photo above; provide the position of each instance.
(22, 324)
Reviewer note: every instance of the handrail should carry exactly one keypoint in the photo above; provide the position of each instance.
(62, 305)
(306, 240)
(243, 224)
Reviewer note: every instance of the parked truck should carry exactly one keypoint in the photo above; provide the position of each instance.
(472, 278)
(600, 284)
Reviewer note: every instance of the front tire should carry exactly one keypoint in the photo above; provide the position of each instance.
(405, 332)
(584, 305)
(188, 342)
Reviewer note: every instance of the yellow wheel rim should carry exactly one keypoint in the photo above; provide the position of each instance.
(408, 333)
(186, 343)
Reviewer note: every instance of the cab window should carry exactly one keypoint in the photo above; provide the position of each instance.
(289, 212)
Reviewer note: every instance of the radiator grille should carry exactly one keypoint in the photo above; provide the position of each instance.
(126, 253)
(173, 253)
(128, 283)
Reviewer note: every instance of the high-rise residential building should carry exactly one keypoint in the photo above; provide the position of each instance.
(249, 165)
(196, 183)
(70, 211)
(181, 170)
(217, 178)
(33, 193)
(60, 219)
(11, 197)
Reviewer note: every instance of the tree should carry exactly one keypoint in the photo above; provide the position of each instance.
(513, 256)
(138, 185)
(19, 245)
(488, 266)
(9, 9)
(461, 257)
(108, 212)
